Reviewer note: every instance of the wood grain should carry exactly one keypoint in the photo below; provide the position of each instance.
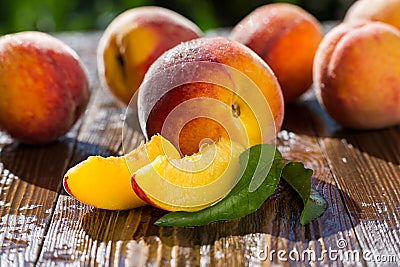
(29, 185)
(366, 167)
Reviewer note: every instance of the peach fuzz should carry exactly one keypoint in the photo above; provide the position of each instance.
(286, 37)
(357, 75)
(133, 41)
(387, 11)
(43, 87)
(155, 103)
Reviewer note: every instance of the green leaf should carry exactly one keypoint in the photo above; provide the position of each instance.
(239, 202)
(265, 165)
(299, 178)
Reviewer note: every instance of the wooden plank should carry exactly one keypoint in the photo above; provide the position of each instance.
(30, 177)
(365, 165)
(80, 234)
(105, 237)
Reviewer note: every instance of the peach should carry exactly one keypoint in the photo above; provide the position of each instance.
(105, 182)
(375, 10)
(357, 75)
(210, 88)
(286, 37)
(132, 42)
(193, 182)
(43, 86)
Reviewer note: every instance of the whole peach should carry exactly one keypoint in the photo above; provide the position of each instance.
(286, 37)
(210, 93)
(357, 74)
(133, 41)
(375, 10)
(43, 87)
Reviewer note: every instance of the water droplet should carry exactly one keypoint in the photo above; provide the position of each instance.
(29, 207)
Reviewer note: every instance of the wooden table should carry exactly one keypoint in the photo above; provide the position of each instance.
(358, 172)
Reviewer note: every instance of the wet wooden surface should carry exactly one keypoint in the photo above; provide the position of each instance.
(357, 172)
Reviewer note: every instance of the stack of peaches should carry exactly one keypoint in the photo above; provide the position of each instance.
(201, 101)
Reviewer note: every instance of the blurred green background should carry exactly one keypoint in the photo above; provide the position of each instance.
(85, 15)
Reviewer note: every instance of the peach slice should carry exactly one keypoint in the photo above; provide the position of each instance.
(193, 182)
(105, 182)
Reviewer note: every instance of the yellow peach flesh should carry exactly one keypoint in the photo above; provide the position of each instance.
(193, 182)
(105, 182)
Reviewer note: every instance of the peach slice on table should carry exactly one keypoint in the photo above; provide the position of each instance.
(192, 182)
(105, 182)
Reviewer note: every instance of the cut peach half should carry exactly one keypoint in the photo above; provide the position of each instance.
(105, 182)
(193, 182)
